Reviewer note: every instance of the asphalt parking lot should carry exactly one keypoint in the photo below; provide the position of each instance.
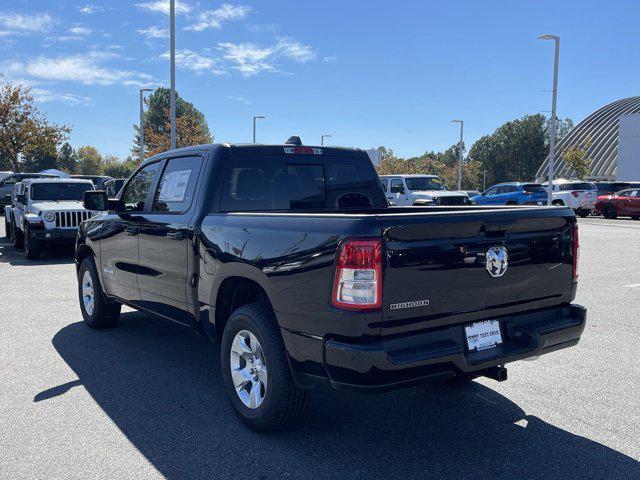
(145, 399)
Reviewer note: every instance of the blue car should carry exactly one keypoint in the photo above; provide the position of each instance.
(514, 193)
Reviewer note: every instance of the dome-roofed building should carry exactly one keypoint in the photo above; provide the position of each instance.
(602, 127)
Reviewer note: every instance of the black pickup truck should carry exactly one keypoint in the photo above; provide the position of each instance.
(291, 257)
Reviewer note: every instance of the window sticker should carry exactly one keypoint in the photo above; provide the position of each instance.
(174, 186)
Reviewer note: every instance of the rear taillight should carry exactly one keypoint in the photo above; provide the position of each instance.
(575, 194)
(358, 281)
(576, 250)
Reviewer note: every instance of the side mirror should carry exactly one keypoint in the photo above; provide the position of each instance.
(20, 198)
(95, 200)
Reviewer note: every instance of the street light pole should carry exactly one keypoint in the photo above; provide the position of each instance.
(256, 117)
(460, 153)
(172, 55)
(322, 137)
(552, 126)
(142, 90)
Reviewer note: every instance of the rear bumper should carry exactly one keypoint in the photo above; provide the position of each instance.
(54, 234)
(396, 362)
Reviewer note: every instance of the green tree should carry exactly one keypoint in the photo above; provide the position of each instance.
(27, 139)
(89, 161)
(116, 168)
(67, 158)
(191, 124)
(514, 151)
(576, 157)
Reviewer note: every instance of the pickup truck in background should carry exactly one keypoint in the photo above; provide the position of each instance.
(579, 196)
(290, 256)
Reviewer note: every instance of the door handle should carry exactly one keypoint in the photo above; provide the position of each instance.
(176, 235)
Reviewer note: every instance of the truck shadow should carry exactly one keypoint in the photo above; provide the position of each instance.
(161, 385)
(55, 255)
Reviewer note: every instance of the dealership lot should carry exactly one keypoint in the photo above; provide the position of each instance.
(145, 399)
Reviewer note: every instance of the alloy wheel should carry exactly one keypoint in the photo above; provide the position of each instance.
(248, 369)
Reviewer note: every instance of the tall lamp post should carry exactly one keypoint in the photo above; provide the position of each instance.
(172, 55)
(256, 117)
(142, 90)
(322, 137)
(552, 126)
(459, 153)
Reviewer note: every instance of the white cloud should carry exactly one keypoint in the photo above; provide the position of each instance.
(79, 30)
(162, 6)
(44, 95)
(196, 62)
(244, 101)
(330, 59)
(87, 69)
(25, 23)
(214, 18)
(154, 32)
(91, 9)
(250, 59)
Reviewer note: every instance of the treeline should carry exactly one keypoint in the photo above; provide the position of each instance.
(30, 143)
(513, 152)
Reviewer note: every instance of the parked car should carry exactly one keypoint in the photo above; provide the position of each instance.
(46, 212)
(98, 180)
(578, 195)
(620, 204)
(611, 187)
(113, 186)
(513, 193)
(404, 190)
(290, 257)
(6, 184)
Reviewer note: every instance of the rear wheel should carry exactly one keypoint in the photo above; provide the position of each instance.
(16, 235)
(634, 217)
(558, 203)
(511, 203)
(97, 310)
(7, 228)
(609, 211)
(256, 372)
(583, 213)
(32, 247)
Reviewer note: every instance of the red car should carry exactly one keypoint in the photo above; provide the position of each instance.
(625, 203)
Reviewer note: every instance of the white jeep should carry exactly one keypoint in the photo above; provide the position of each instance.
(409, 189)
(45, 211)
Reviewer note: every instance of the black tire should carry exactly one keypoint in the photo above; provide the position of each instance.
(283, 403)
(609, 212)
(634, 217)
(558, 203)
(16, 235)
(511, 203)
(7, 228)
(32, 247)
(583, 213)
(105, 312)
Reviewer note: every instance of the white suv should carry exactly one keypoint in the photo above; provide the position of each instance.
(46, 211)
(405, 190)
(578, 195)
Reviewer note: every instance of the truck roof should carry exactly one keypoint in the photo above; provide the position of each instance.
(261, 149)
(31, 181)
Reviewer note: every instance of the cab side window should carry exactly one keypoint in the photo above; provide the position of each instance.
(397, 185)
(177, 185)
(136, 192)
(491, 191)
(9, 181)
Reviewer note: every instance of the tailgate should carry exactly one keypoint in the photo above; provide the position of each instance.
(437, 271)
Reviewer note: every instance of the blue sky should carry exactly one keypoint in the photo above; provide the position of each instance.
(369, 73)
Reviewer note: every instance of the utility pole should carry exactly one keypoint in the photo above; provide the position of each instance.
(256, 117)
(459, 153)
(552, 126)
(142, 90)
(172, 55)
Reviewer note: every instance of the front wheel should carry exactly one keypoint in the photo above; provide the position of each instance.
(97, 310)
(583, 213)
(256, 372)
(32, 247)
